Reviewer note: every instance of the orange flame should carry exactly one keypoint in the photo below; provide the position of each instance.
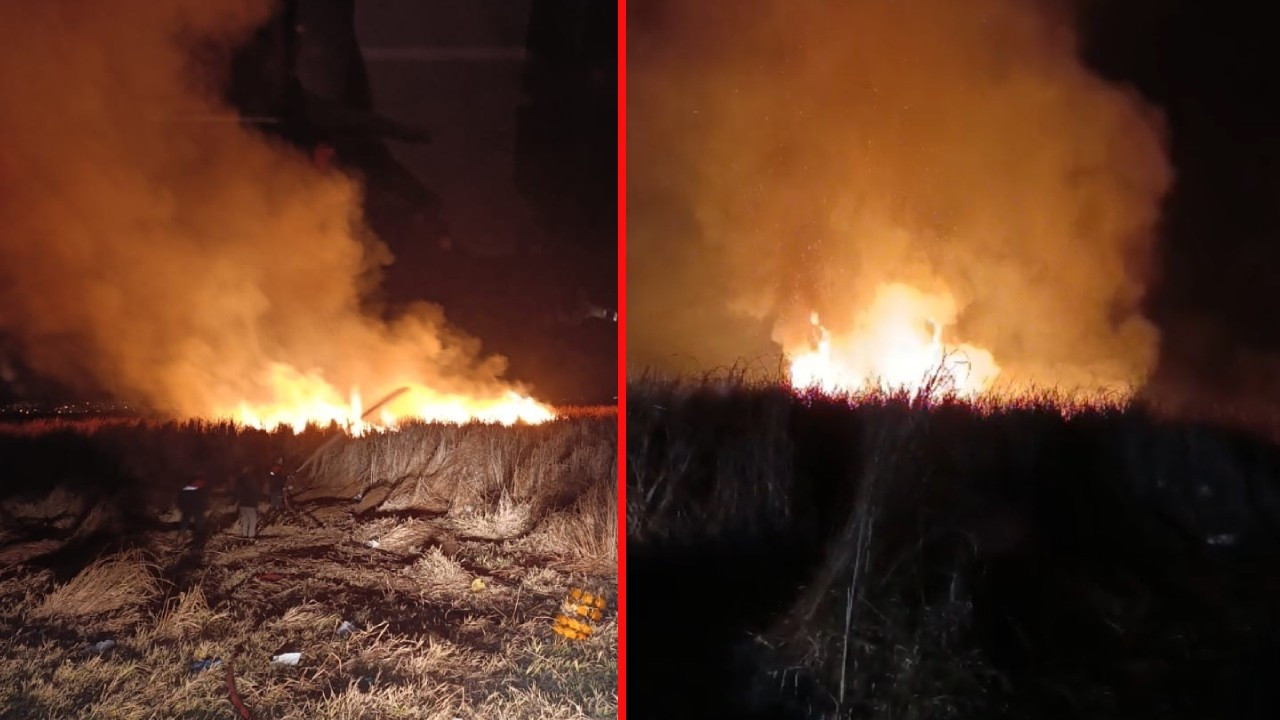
(895, 344)
(301, 399)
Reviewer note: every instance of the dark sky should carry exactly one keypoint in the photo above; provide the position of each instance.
(456, 68)
(1211, 68)
(486, 85)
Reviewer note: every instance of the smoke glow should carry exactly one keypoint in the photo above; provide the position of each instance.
(199, 268)
(799, 157)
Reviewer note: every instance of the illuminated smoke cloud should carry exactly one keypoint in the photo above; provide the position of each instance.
(197, 267)
(791, 157)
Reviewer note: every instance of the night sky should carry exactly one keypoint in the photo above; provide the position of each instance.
(1210, 68)
(521, 235)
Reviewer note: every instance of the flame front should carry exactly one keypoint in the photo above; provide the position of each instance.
(896, 344)
(302, 399)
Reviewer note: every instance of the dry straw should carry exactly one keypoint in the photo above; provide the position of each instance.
(123, 581)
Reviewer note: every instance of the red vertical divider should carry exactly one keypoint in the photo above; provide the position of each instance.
(622, 358)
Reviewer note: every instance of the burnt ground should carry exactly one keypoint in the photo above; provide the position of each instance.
(429, 641)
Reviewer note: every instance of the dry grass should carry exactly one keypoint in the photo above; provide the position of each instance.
(408, 537)
(117, 584)
(21, 552)
(61, 503)
(508, 519)
(186, 616)
(883, 556)
(435, 572)
(462, 503)
(493, 483)
(588, 532)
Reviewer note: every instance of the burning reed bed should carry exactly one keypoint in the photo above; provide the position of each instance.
(417, 573)
(890, 557)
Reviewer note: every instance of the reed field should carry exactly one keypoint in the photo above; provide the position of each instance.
(416, 573)
(894, 556)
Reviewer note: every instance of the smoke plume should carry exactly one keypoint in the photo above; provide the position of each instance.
(151, 248)
(789, 157)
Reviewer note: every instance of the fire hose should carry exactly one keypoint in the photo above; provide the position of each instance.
(330, 442)
(235, 696)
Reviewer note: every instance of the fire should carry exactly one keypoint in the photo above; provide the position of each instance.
(895, 344)
(307, 398)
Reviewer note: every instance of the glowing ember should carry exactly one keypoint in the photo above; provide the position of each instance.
(302, 399)
(896, 344)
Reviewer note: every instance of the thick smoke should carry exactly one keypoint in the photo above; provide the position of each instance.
(788, 156)
(151, 248)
